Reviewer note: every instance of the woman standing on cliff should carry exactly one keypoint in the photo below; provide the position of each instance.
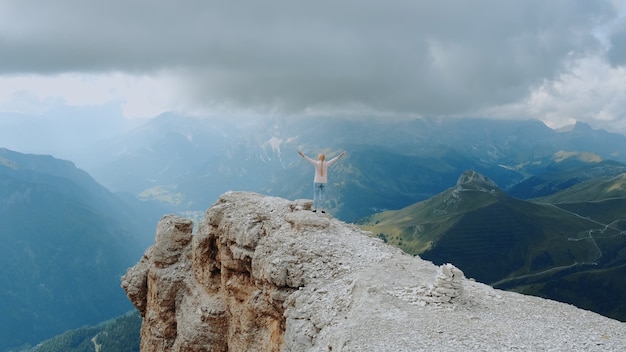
(321, 178)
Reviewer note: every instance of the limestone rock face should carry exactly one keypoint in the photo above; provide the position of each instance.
(267, 274)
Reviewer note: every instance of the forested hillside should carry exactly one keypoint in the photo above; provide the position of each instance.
(66, 242)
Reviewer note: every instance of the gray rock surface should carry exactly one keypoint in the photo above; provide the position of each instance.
(267, 274)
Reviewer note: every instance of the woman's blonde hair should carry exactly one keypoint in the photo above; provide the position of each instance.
(321, 157)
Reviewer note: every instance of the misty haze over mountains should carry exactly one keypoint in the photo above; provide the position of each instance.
(183, 161)
(62, 131)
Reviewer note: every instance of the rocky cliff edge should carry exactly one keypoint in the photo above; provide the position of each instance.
(267, 274)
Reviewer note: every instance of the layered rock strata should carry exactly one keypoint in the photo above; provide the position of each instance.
(267, 274)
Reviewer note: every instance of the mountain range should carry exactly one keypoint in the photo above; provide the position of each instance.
(66, 240)
(184, 162)
(98, 221)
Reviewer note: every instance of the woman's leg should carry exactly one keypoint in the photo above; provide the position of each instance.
(322, 196)
(316, 195)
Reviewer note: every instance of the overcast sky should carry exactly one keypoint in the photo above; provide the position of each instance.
(558, 61)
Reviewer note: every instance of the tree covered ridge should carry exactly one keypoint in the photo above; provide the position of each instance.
(120, 335)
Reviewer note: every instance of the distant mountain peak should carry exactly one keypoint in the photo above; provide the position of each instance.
(463, 195)
(576, 126)
(472, 180)
(582, 126)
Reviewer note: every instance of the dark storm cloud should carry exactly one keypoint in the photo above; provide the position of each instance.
(617, 52)
(441, 57)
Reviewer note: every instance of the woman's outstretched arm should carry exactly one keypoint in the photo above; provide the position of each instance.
(306, 157)
(331, 161)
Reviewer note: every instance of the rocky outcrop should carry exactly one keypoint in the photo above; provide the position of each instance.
(267, 274)
(472, 180)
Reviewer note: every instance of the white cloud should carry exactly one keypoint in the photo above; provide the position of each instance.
(591, 90)
(139, 96)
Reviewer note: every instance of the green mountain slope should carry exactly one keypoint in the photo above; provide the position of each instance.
(549, 250)
(417, 227)
(120, 335)
(597, 189)
(565, 170)
(65, 243)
